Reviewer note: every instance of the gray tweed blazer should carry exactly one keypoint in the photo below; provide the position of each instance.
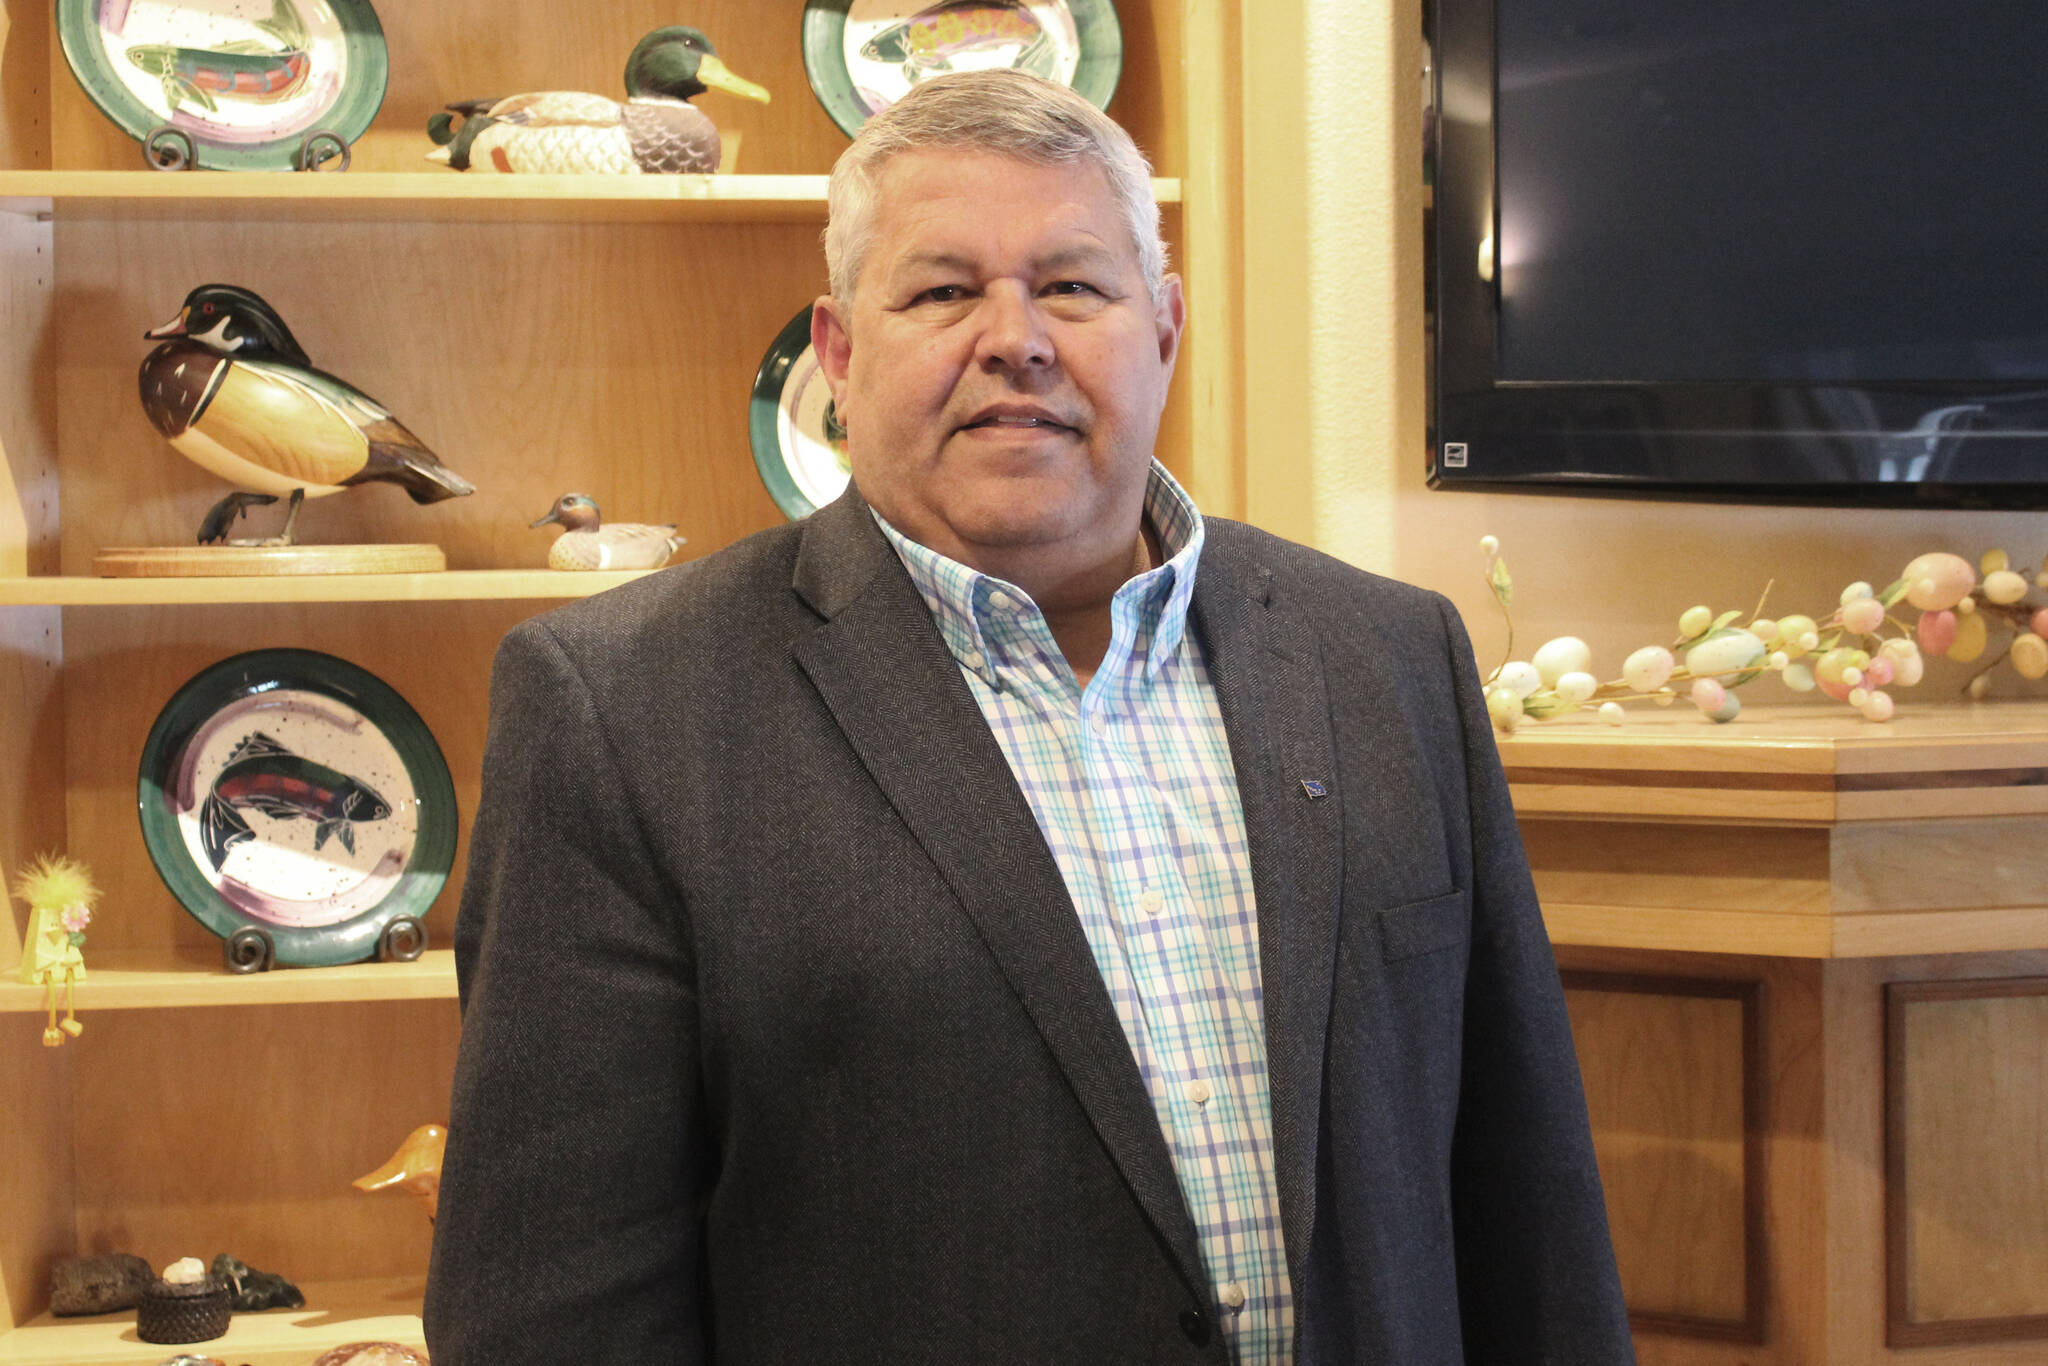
(782, 1042)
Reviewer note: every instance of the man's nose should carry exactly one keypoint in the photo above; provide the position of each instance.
(1013, 332)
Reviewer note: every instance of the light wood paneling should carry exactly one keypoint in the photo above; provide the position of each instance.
(123, 664)
(223, 1130)
(35, 1155)
(1667, 1066)
(1784, 871)
(457, 585)
(1967, 1172)
(24, 84)
(151, 979)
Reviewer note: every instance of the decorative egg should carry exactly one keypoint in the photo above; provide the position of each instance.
(1565, 655)
(1878, 707)
(1489, 546)
(1938, 580)
(1794, 632)
(1504, 705)
(1970, 638)
(2039, 623)
(2029, 655)
(1647, 668)
(1726, 651)
(1707, 694)
(1799, 677)
(1880, 670)
(1863, 616)
(1835, 668)
(1730, 708)
(1966, 606)
(1612, 714)
(1764, 629)
(1937, 632)
(1577, 686)
(1858, 589)
(1979, 685)
(1991, 561)
(1695, 621)
(2003, 587)
(1520, 676)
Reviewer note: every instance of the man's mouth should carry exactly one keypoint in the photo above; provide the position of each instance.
(1017, 421)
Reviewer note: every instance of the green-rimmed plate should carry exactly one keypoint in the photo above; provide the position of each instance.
(863, 55)
(295, 794)
(799, 446)
(245, 80)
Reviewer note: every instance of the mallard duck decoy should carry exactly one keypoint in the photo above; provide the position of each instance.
(589, 542)
(233, 392)
(415, 1168)
(567, 132)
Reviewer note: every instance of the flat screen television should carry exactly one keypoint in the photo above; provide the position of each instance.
(1775, 250)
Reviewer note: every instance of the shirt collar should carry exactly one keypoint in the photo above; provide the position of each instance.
(973, 610)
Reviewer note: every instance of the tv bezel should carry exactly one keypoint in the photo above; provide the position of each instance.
(1720, 441)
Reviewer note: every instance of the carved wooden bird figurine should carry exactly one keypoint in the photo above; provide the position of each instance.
(415, 1168)
(232, 390)
(589, 542)
(567, 132)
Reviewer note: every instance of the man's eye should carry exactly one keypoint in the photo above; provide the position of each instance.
(1071, 287)
(941, 294)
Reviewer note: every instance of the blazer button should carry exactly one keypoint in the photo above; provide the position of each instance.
(1195, 1326)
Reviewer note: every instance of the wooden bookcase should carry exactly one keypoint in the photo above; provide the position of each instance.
(543, 334)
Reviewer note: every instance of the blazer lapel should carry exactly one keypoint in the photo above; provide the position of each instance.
(895, 690)
(1268, 675)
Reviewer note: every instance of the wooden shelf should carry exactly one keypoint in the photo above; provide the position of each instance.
(142, 980)
(335, 1312)
(426, 196)
(457, 585)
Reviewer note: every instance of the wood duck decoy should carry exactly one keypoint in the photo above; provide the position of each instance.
(589, 542)
(233, 392)
(415, 1168)
(566, 132)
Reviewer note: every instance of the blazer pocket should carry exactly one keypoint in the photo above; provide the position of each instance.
(1441, 922)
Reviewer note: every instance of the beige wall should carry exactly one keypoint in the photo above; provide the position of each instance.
(1335, 404)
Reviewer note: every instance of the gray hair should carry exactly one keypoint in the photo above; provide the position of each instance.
(1011, 113)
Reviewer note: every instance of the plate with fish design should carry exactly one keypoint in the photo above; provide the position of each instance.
(863, 55)
(245, 80)
(293, 796)
(799, 446)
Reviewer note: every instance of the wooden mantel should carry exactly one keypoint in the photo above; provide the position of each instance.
(1794, 831)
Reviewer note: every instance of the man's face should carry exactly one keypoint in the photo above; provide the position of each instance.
(1001, 368)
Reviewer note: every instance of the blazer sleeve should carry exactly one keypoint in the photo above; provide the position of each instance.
(568, 1226)
(1536, 1271)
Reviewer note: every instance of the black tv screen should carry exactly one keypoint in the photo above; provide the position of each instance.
(1793, 251)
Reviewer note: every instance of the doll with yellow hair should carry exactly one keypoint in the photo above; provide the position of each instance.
(60, 894)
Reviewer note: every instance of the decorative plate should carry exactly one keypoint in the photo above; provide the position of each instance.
(292, 793)
(799, 446)
(245, 80)
(863, 55)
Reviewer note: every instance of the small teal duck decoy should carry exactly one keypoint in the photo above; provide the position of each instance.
(233, 392)
(567, 132)
(589, 542)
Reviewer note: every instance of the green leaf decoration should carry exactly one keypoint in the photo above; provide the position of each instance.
(77, 939)
(1544, 705)
(1891, 596)
(1724, 619)
(1828, 642)
(1503, 586)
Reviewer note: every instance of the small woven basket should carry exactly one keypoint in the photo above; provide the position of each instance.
(197, 1311)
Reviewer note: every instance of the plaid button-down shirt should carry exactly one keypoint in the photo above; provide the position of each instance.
(1132, 785)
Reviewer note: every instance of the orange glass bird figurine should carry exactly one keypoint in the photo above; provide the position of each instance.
(415, 1168)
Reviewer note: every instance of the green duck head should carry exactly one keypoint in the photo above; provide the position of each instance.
(575, 511)
(678, 63)
(235, 322)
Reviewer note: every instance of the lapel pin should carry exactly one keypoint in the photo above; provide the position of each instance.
(1314, 788)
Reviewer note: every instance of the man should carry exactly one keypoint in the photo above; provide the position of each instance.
(1005, 917)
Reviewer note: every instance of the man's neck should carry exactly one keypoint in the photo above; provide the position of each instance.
(1079, 614)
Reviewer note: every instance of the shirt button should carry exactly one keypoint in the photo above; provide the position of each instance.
(973, 659)
(1197, 1091)
(1000, 602)
(1152, 903)
(1097, 723)
(1234, 1296)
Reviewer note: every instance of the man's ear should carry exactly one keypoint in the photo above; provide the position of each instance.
(1170, 318)
(833, 344)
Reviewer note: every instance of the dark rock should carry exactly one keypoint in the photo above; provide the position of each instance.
(255, 1290)
(98, 1285)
